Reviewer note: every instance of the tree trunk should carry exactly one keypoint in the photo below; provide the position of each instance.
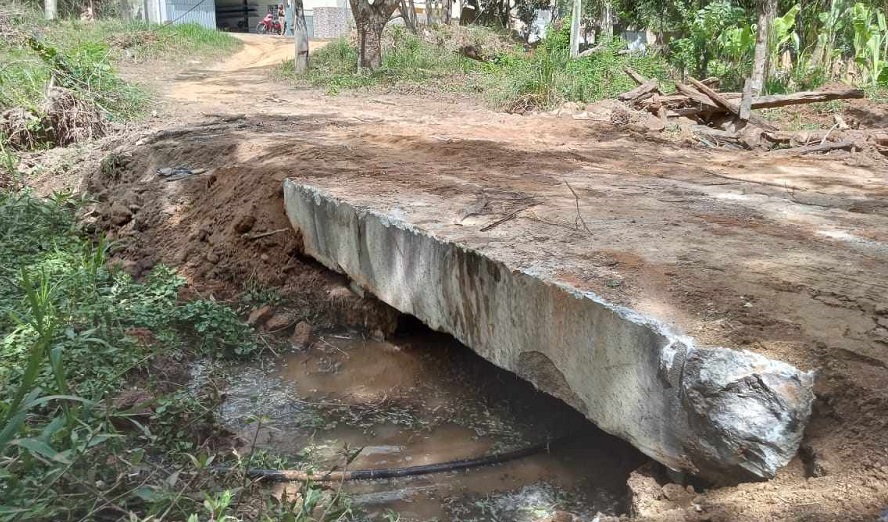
(767, 11)
(447, 11)
(370, 20)
(408, 13)
(607, 20)
(300, 32)
(51, 9)
(432, 12)
(575, 15)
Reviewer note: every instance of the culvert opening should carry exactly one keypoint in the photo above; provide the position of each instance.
(423, 398)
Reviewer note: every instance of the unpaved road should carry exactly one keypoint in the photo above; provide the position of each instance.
(786, 257)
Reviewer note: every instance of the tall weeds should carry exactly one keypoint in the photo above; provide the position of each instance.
(73, 330)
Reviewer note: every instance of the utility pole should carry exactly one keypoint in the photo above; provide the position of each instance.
(575, 28)
(50, 9)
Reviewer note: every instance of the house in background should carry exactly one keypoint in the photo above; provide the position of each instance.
(324, 18)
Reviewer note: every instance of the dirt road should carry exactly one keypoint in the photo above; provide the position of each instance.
(786, 257)
(240, 83)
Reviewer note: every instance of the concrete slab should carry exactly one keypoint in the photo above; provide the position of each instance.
(726, 415)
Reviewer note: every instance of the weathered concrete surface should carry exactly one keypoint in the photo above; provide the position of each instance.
(722, 414)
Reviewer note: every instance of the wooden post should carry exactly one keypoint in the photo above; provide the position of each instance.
(575, 28)
(300, 32)
(50, 9)
(746, 101)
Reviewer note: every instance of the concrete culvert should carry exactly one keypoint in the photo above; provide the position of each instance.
(724, 415)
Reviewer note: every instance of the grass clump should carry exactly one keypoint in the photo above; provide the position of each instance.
(94, 423)
(521, 81)
(511, 79)
(407, 60)
(82, 57)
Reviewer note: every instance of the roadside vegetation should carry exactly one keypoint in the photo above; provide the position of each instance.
(509, 77)
(82, 58)
(805, 48)
(99, 418)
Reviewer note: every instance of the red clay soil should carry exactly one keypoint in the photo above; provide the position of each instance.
(783, 256)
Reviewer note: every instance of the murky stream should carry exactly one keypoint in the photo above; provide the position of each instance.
(426, 399)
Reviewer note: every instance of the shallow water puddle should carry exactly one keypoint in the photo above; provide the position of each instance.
(425, 400)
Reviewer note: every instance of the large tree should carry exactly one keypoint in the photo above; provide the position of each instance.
(370, 19)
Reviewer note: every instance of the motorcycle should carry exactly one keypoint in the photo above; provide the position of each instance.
(269, 24)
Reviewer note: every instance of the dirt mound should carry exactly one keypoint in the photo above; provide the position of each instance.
(63, 118)
(219, 220)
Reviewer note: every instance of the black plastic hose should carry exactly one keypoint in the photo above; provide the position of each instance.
(292, 475)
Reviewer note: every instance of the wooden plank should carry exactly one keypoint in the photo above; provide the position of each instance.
(646, 87)
(695, 95)
(689, 111)
(730, 106)
(639, 79)
(782, 100)
(672, 99)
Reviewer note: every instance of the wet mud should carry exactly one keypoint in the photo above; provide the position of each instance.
(423, 398)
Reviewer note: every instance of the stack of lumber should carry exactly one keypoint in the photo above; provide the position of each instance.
(727, 118)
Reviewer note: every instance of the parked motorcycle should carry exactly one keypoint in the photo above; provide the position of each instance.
(269, 25)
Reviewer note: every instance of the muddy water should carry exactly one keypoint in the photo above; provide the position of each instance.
(426, 399)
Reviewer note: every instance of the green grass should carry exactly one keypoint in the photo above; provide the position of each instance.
(877, 93)
(75, 333)
(548, 76)
(91, 53)
(513, 79)
(407, 61)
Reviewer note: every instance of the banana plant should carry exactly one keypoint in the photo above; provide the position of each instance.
(870, 43)
(833, 23)
(783, 33)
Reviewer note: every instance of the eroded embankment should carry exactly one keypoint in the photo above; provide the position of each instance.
(722, 414)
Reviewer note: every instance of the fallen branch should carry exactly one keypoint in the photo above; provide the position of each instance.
(509, 217)
(265, 234)
(591, 51)
(810, 149)
(579, 219)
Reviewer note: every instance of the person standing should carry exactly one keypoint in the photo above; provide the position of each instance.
(282, 18)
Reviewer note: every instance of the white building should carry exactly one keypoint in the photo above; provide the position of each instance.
(325, 18)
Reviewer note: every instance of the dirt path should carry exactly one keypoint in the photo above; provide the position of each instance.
(240, 83)
(786, 257)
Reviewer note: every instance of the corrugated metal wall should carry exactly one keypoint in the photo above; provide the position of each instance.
(201, 12)
(310, 26)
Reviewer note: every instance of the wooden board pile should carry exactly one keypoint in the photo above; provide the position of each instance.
(726, 118)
